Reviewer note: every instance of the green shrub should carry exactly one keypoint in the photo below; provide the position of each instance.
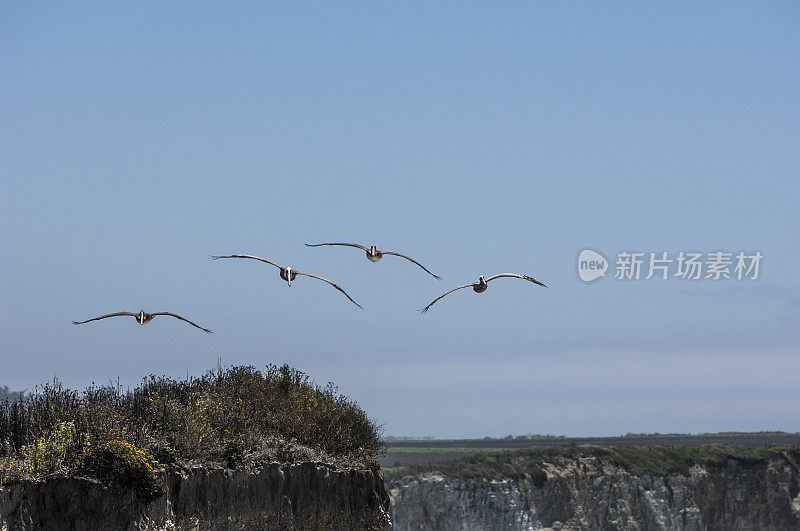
(537, 475)
(284, 449)
(220, 416)
(119, 463)
(163, 454)
(11, 471)
(475, 467)
(671, 460)
(234, 450)
(46, 455)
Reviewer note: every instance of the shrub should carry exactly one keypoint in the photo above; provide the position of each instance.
(221, 416)
(120, 463)
(163, 454)
(234, 450)
(48, 453)
(45, 455)
(538, 476)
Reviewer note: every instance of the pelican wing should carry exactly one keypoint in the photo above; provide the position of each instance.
(426, 308)
(514, 275)
(206, 330)
(337, 243)
(247, 256)
(332, 284)
(437, 277)
(104, 316)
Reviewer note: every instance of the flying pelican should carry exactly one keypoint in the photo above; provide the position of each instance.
(143, 318)
(373, 254)
(481, 285)
(288, 274)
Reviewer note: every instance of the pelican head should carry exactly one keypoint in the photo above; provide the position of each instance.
(373, 255)
(288, 274)
(480, 286)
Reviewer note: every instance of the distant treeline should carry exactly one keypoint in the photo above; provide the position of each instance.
(6, 394)
(548, 437)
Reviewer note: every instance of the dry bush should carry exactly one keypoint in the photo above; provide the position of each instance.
(220, 416)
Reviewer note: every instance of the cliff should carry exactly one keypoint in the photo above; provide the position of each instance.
(306, 495)
(601, 490)
(237, 448)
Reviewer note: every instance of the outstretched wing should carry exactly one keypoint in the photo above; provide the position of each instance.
(437, 277)
(426, 308)
(104, 316)
(332, 284)
(336, 243)
(206, 330)
(247, 256)
(514, 275)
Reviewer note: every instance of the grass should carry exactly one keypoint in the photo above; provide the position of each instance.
(669, 460)
(763, 438)
(475, 467)
(222, 416)
(443, 450)
(636, 460)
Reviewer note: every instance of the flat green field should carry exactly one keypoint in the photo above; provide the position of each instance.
(447, 450)
(411, 452)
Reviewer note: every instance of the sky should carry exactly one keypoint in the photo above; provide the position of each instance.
(138, 139)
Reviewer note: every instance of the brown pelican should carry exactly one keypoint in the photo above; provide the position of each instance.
(288, 274)
(481, 285)
(143, 318)
(373, 254)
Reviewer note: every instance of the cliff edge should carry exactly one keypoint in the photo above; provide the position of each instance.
(305, 495)
(603, 489)
(237, 448)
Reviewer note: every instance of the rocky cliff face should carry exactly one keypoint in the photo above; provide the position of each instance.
(267, 496)
(594, 493)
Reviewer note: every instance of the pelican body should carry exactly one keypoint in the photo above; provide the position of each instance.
(373, 255)
(481, 285)
(288, 274)
(144, 318)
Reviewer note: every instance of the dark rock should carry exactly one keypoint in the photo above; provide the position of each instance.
(304, 495)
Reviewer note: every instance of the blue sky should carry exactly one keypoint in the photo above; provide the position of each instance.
(138, 139)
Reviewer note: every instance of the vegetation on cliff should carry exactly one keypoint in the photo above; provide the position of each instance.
(636, 460)
(120, 437)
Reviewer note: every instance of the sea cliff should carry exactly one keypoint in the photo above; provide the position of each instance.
(595, 489)
(306, 495)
